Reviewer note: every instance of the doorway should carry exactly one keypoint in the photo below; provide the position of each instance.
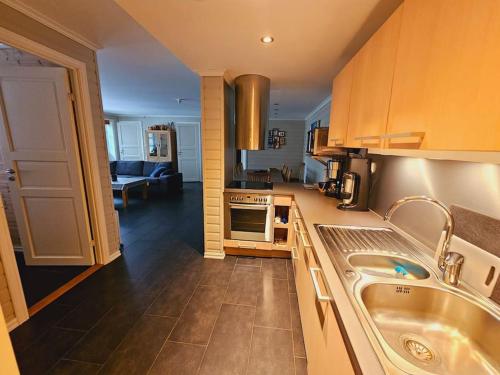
(188, 150)
(43, 181)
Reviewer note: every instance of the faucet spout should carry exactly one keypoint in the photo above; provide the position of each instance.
(450, 222)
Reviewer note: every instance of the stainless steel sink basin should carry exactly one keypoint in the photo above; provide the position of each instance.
(433, 329)
(416, 324)
(388, 267)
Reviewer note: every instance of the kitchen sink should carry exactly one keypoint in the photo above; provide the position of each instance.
(433, 329)
(388, 267)
(416, 323)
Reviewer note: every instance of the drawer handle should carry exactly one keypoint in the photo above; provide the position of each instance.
(304, 241)
(337, 141)
(296, 227)
(319, 295)
(295, 255)
(245, 246)
(297, 214)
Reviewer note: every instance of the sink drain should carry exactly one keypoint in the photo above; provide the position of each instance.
(419, 349)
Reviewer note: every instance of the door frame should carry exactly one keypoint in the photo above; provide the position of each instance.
(198, 128)
(89, 157)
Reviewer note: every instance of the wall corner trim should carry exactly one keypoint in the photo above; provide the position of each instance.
(324, 102)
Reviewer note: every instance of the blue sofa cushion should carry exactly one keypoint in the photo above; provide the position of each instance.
(131, 168)
(158, 171)
(150, 166)
(112, 167)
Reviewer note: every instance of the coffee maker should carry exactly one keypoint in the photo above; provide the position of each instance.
(355, 186)
(335, 170)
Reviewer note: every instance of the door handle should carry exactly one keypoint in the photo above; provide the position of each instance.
(10, 171)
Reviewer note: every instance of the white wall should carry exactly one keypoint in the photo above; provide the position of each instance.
(290, 154)
(155, 120)
(314, 169)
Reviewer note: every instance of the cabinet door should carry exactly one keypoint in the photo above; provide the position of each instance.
(447, 77)
(371, 85)
(339, 114)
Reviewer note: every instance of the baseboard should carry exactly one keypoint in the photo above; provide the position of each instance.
(12, 324)
(113, 256)
(214, 255)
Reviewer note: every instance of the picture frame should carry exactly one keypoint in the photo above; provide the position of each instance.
(281, 133)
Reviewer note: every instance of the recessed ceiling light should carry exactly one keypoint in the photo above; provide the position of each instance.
(276, 104)
(267, 39)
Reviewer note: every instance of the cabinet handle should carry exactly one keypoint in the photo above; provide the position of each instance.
(319, 295)
(337, 141)
(297, 214)
(304, 241)
(295, 226)
(294, 253)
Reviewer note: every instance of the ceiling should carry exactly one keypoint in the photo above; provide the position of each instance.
(144, 72)
(313, 39)
(139, 76)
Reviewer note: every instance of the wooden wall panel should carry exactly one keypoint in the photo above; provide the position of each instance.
(23, 25)
(212, 140)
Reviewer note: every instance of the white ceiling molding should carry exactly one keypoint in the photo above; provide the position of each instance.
(324, 102)
(47, 21)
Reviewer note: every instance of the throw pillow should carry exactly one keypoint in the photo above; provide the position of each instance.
(157, 171)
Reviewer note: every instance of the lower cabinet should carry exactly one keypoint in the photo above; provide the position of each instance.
(326, 352)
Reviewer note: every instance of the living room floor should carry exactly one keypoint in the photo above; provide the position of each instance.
(162, 308)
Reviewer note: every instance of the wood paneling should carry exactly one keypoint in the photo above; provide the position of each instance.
(447, 77)
(341, 102)
(213, 113)
(23, 25)
(372, 83)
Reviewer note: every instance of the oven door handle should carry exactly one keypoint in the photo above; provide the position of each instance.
(250, 206)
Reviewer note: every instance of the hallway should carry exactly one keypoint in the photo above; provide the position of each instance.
(162, 308)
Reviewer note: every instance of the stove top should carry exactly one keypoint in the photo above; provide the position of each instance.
(253, 185)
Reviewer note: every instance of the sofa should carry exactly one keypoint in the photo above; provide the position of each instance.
(162, 177)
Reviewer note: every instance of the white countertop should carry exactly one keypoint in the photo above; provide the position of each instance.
(315, 208)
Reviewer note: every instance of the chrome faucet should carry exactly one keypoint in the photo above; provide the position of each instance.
(449, 262)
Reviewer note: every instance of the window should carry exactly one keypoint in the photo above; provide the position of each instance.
(111, 141)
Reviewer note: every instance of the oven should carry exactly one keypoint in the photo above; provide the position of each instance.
(248, 217)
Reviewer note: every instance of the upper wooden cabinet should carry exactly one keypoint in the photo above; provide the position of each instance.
(339, 114)
(447, 75)
(371, 85)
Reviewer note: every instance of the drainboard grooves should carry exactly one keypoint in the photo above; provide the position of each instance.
(355, 239)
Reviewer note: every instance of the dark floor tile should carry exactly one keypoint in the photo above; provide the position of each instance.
(39, 281)
(172, 301)
(24, 335)
(273, 304)
(178, 359)
(244, 287)
(68, 367)
(249, 261)
(85, 316)
(298, 338)
(136, 353)
(197, 321)
(46, 351)
(271, 353)
(106, 335)
(229, 347)
(291, 277)
(300, 366)
(274, 267)
(216, 278)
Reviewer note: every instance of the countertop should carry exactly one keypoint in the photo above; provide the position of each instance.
(316, 208)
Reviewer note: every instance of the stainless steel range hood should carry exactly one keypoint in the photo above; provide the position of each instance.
(252, 111)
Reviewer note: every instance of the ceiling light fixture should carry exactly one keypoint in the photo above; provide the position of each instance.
(267, 39)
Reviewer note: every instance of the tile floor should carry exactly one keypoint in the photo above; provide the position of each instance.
(162, 308)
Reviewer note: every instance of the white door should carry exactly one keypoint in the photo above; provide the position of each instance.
(130, 139)
(40, 150)
(188, 150)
